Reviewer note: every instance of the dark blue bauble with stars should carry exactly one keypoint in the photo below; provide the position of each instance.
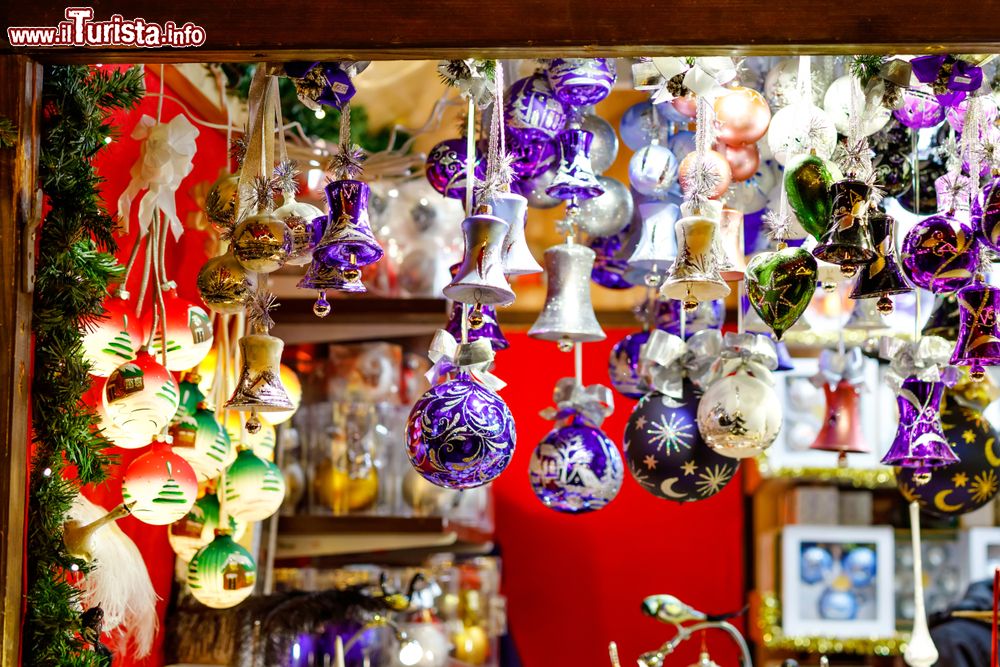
(576, 469)
(623, 364)
(973, 481)
(665, 453)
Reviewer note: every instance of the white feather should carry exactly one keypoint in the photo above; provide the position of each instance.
(119, 582)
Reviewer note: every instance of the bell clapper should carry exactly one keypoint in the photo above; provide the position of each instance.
(849, 270)
(476, 319)
(322, 307)
(921, 476)
(690, 302)
(977, 373)
(352, 273)
(565, 345)
(884, 304)
(842, 459)
(253, 423)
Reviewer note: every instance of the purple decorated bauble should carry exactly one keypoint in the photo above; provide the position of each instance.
(531, 109)
(580, 82)
(355, 655)
(665, 452)
(940, 254)
(919, 110)
(445, 167)
(956, 114)
(613, 252)
(576, 469)
(986, 215)
(973, 481)
(623, 365)
(706, 315)
(460, 434)
(531, 156)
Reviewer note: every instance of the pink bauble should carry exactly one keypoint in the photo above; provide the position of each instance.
(687, 105)
(189, 332)
(160, 487)
(742, 117)
(743, 160)
(141, 396)
(718, 165)
(113, 340)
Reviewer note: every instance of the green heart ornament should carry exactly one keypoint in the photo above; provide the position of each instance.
(807, 183)
(780, 285)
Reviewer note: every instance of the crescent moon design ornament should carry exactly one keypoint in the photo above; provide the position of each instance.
(667, 489)
(939, 501)
(991, 457)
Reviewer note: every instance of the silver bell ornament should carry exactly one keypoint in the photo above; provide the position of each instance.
(262, 242)
(480, 279)
(694, 275)
(568, 315)
(865, 317)
(512, 208)
(739, 415)
(657, 247)
(730, 245)
(604, 147)
(224, 285)
(305, 223)
(259, 386)
(606, 214)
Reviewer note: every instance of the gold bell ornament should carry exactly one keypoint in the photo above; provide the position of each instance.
(694, 275)
(259, 387)
(568, 315)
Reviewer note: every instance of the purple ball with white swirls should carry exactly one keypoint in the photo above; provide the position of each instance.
(531, 109)
(576, 469)
(445, 168)
(940, 254)
(580, 82)
(460, 434)
(919, 110)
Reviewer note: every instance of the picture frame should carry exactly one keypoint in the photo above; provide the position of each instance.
(984, 552)
(838, 581)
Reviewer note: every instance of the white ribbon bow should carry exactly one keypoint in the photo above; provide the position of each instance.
(707, 77)
(475, 358)
(165, 158)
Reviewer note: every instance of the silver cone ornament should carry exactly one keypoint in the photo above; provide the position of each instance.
(480, 279)
(568, 315)
(512, 208)
(259, 386)
(694, 275)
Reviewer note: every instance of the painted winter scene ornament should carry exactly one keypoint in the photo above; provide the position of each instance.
(159, 487)
(222, 574)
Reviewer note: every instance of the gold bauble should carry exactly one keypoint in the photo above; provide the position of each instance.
(472, 645)
(342, 493)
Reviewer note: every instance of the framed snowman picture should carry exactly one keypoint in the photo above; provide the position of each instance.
(837, 581)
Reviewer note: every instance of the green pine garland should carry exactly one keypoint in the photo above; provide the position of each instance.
(74, 266)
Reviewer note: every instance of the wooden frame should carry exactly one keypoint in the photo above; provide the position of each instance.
(393, 29)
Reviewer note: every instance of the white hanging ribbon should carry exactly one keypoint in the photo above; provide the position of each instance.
(166, 157)
(707, 77)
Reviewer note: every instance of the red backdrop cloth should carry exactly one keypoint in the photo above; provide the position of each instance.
(574, 583)
(184, 258)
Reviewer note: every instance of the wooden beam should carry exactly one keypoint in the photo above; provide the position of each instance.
(21, 81)
(403, 29)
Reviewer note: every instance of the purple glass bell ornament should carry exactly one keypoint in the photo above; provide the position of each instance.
(882, 276)
(575, 178)
(978, 343)
(348, 242)
(940, 254)
(847, 241)
(446, 167)
(986, 214)
(920, 441)
(486, 326)
(531, 157)
(531, 109)
(322, 277)
(581, 82)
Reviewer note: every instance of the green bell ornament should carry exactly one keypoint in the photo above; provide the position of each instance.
(808, 179)
(780, 285)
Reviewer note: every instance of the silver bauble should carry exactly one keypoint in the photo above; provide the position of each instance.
(604, 146)
(607, 214)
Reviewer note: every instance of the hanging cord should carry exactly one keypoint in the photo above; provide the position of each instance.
(146, 267)
(122, 290)
(578, 362)
(470, 156)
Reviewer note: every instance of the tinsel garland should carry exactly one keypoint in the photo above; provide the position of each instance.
(74, 266)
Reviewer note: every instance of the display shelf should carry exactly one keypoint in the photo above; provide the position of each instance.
(357, 317)
(304, 536)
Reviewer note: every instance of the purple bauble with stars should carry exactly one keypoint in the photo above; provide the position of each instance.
(580, 82)
(623, 365)
(576, 468)
(919, 110)
(665, 453)
(460, 434)
(940, 254)
(531, 109)
(445, 167)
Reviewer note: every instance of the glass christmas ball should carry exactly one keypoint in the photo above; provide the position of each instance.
(604, 145)
(160, 487)
(254, 487)
(293, 387)
(261, 442)
(112, 340)
(198, 440)
(460, 434)
(837, 102)
(261, 243)
(971, 482)
(535, 189)
(640, 126)
(988, 110)
(576, 469)
(222, 573)
(224, 285)
(531, 109)
(919, 110)
(743, 160)
(860, 566)
(141, 395)
(220, 203)
(197, 529)
(189, 396)
(717, 164)
(789, 132)
(940, 254)
(115, 434)
(682, 143)
(781, 84)
(741, 116)
(623, 365)
(652, 170)
(816, 564)
(189, 332)
(739, 416)
(446, 167)
(531, 156)
(607, 213)
(838, 603)
(306, 224)
(580, 82)
(666, 454)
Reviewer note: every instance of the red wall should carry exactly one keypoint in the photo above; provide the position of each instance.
(574, 583)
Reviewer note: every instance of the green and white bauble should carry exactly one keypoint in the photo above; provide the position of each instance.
(254, 487)
(198, 528)
(261, 442)
(222, 573)
(197, 439)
